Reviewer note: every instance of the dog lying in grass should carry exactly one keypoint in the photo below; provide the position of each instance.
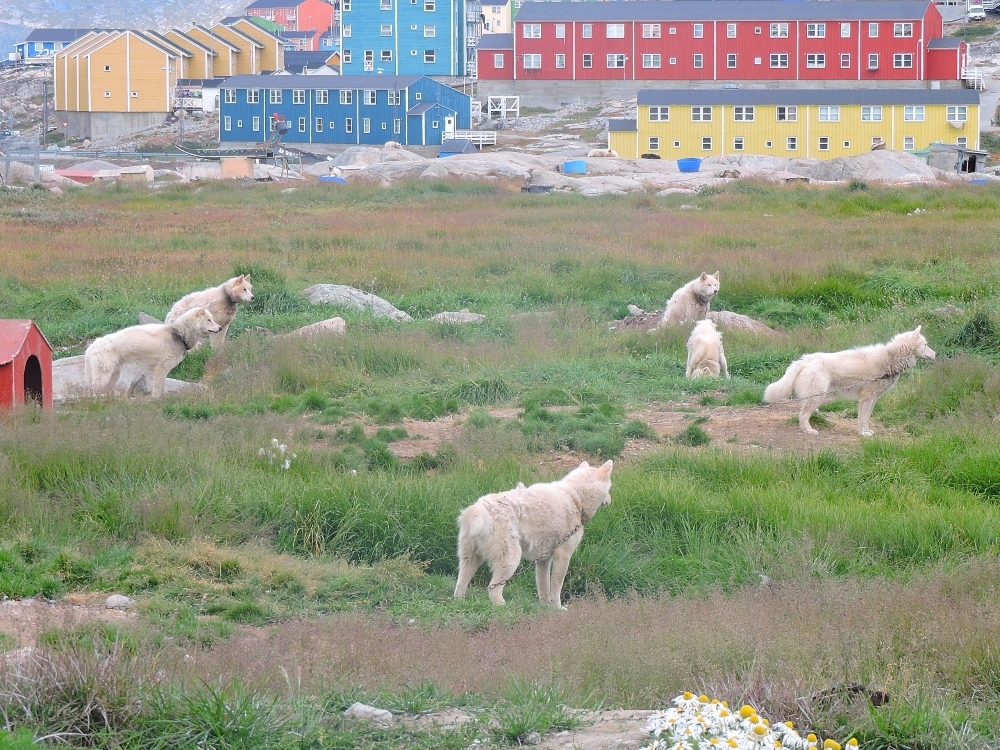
(220, 300)
(542, 523)
(862, 374)
(706, 357)
(156, 348)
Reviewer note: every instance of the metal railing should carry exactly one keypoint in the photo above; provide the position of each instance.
(479, 138)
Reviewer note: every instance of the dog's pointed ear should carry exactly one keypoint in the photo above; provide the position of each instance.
(918, 329)
(605, 471)
(583, 465)
(716, 275)
(703, 276)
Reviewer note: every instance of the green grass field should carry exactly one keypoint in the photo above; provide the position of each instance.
(269, 598)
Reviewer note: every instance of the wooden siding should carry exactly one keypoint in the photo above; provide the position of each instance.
(486, 68)
(225, 57)
(272, 57)
(248, 58)
(202, 65)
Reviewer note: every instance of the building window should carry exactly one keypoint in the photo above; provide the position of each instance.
(394, 98)
(731, 60)
(346, 28)
(902, 29)
(872, 30)
(757, 30)
(673, 60)
(824, 143)
(738, 143)
(430, 31)
(560, 61)
(587, 31)
(908, 143)
(872, 62)
(384, 126)
(435, 123)
(230, 96)
(654, 143)
(349, 125)
(779, 61)
(677, 144)
(533, 62)
(706, 143)
(322, 96)
(743, 114)
(299, 96)
(588, 61)
(957, 114)
(829, 114)
(255, 124)
(845, 59)
(768, 144)
(650, 61)
(532, 31)
(347, 57)
(699, 30)
(672, 30)
(815, 60)
(413, 53)
(779, 30)
(429, 6)
(498, 61)
(385, 29)
(871, 114)
(615, 31)
(560, 31)
(107, 68)
(756, 61)
(845, 31)
(659, 114)
(701, 114)
(962, 142)
(913, 114)
(397, 126)
(430, 56)
(788, 114)
(386, 56)
(651, 31)
(319, 124)
(369, 97)
(302, 124)
(791, 143)
(902, 60)
(275, 96)
(385, 5)
(616, 61)
(331, 124)
(699, 61)
(227, 123)
(816, 30)
(366, 124)
(345, 5)
(253, 96)
(346, 96)
(847, 144)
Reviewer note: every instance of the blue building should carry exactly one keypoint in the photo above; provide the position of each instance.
(359, 109)
(44, 43)
(410, 37)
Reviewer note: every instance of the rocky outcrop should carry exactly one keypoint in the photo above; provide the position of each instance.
(462, 316)
(340, 295)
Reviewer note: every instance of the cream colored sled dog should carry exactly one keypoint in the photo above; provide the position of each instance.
(691, 302)
(863, 374)
(156, 348)
(706, 356)
(220, 300)
(542, 523)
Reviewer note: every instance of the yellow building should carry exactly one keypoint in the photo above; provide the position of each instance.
(226, 52)
(817, 123)
(272, 54)
(248, 59)
(202, 63)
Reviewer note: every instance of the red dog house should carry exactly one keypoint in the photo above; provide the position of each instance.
(25, 365)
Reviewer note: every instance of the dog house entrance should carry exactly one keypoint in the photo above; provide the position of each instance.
(33, 380)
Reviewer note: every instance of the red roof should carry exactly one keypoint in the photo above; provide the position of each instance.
(12, 336)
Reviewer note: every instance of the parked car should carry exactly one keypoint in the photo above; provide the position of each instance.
(9, 134)
(976, 13)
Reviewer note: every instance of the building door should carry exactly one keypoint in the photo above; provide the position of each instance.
(33, 380)
(449, 124)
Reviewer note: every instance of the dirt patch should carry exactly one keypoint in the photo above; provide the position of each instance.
(26, 619)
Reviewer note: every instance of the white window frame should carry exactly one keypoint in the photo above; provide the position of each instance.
(845, 31)
(651, 60)
(346, 96)
(914, 113)
(385, 29)
(909, 143)
(230, 96)
(322, 96)
(706, 143)
(347, 57)
(829, 114)
(792, 143)
(957, 113)
(873, 31)
(498, 60)
(346, 30)
(385, 56)
(701, 114)
(348, 124)
(298, 96)
(430, 31)
(533, 61)
(698, 30)
(319, 125)
(385, 5)
(274, 96)
(397, 126)
(816, 60)
(871, 114)
(651, 31)
(531, 31)
(673, 61)
(587, 61)
(366, 125)
(739, 143)
(779, 30)
(816, 31)
(654, 143)
(614, 31)
(253, 96)
(962, 141)
(902, 29)
(560, 60)
(873, 61)
(659, 113)
(394, 98)
(787, 114)
(302, 125)
(587, 31)
(845, 59)
(430, 57)
(779, 60)
(730, 30)
(824, 143)
(616, 61)
(227, 123)
(370, 98)
(743, 114)
(698, 60)
(429, 6)
(560, 31)
(255, 124)
(731, 60)
(902, 60)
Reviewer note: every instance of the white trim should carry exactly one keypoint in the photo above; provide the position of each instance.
(128, 71)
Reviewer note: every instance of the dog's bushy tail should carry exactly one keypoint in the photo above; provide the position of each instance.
(783, 389)
(475, 527)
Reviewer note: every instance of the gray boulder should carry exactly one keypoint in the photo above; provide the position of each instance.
(347, 296)
(462, 316)
(370, 715)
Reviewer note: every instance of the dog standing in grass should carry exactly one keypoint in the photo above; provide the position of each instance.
(706, 357)
(156, 348)
(690, 303)
(542, 523)
(862, 374)
(220, 300)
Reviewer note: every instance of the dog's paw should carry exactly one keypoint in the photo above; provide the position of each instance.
(865, 433)
(811, 431)
(563, 609)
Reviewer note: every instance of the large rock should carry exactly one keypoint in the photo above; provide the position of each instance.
(874, 166)
(735, 322)
(347, 296)
(69, 381)
(332, 325)
(370, 715)
(462, 316)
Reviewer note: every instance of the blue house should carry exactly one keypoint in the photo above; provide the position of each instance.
(359, 109)
(410, 37)
(44, 43)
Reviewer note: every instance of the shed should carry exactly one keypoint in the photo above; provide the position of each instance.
(954, 158)
(25, 365)
(452, 146)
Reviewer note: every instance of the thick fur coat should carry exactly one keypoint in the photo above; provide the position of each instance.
(862, 374)
(706, 357)
(542, 523)
(156, 348)
(220, 300)
(690, 303)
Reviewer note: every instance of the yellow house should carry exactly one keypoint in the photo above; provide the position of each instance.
(816, 123)
(272, 55)
(185, 58)
(225, 51)
(248, 58)
(202, 63)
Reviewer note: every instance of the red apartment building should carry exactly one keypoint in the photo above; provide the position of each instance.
(314, 16)
(725, 40)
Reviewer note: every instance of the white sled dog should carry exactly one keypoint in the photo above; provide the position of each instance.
(156, 348)
(706, 357)
(863, 374)
(220, 300)
(541, 523)
(690, 303)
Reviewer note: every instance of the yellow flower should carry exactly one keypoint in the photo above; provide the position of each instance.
(723, 712)
(732, 742)
(852, 744)
(747, 711)
(811, 738)
(831, 745)
(760, 730)
(789, 725)
(715, 701)
(703, 698)
(725, 703)
(765, 722)
(688, 696)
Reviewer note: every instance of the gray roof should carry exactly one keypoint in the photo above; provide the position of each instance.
(420, 108)
(288, 34)
(496, 41)
(807, 96)
(355, 82)
(456, 146)
(622, 126)
(944, 43)
(56, 35)
(274, 4)
(724, 10)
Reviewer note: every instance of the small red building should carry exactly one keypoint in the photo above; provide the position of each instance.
(495, 57)
(316, 16)
(25, 365)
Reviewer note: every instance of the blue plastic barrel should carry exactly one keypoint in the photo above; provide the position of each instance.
(332, 178)
(577, 166)
(691, 164)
